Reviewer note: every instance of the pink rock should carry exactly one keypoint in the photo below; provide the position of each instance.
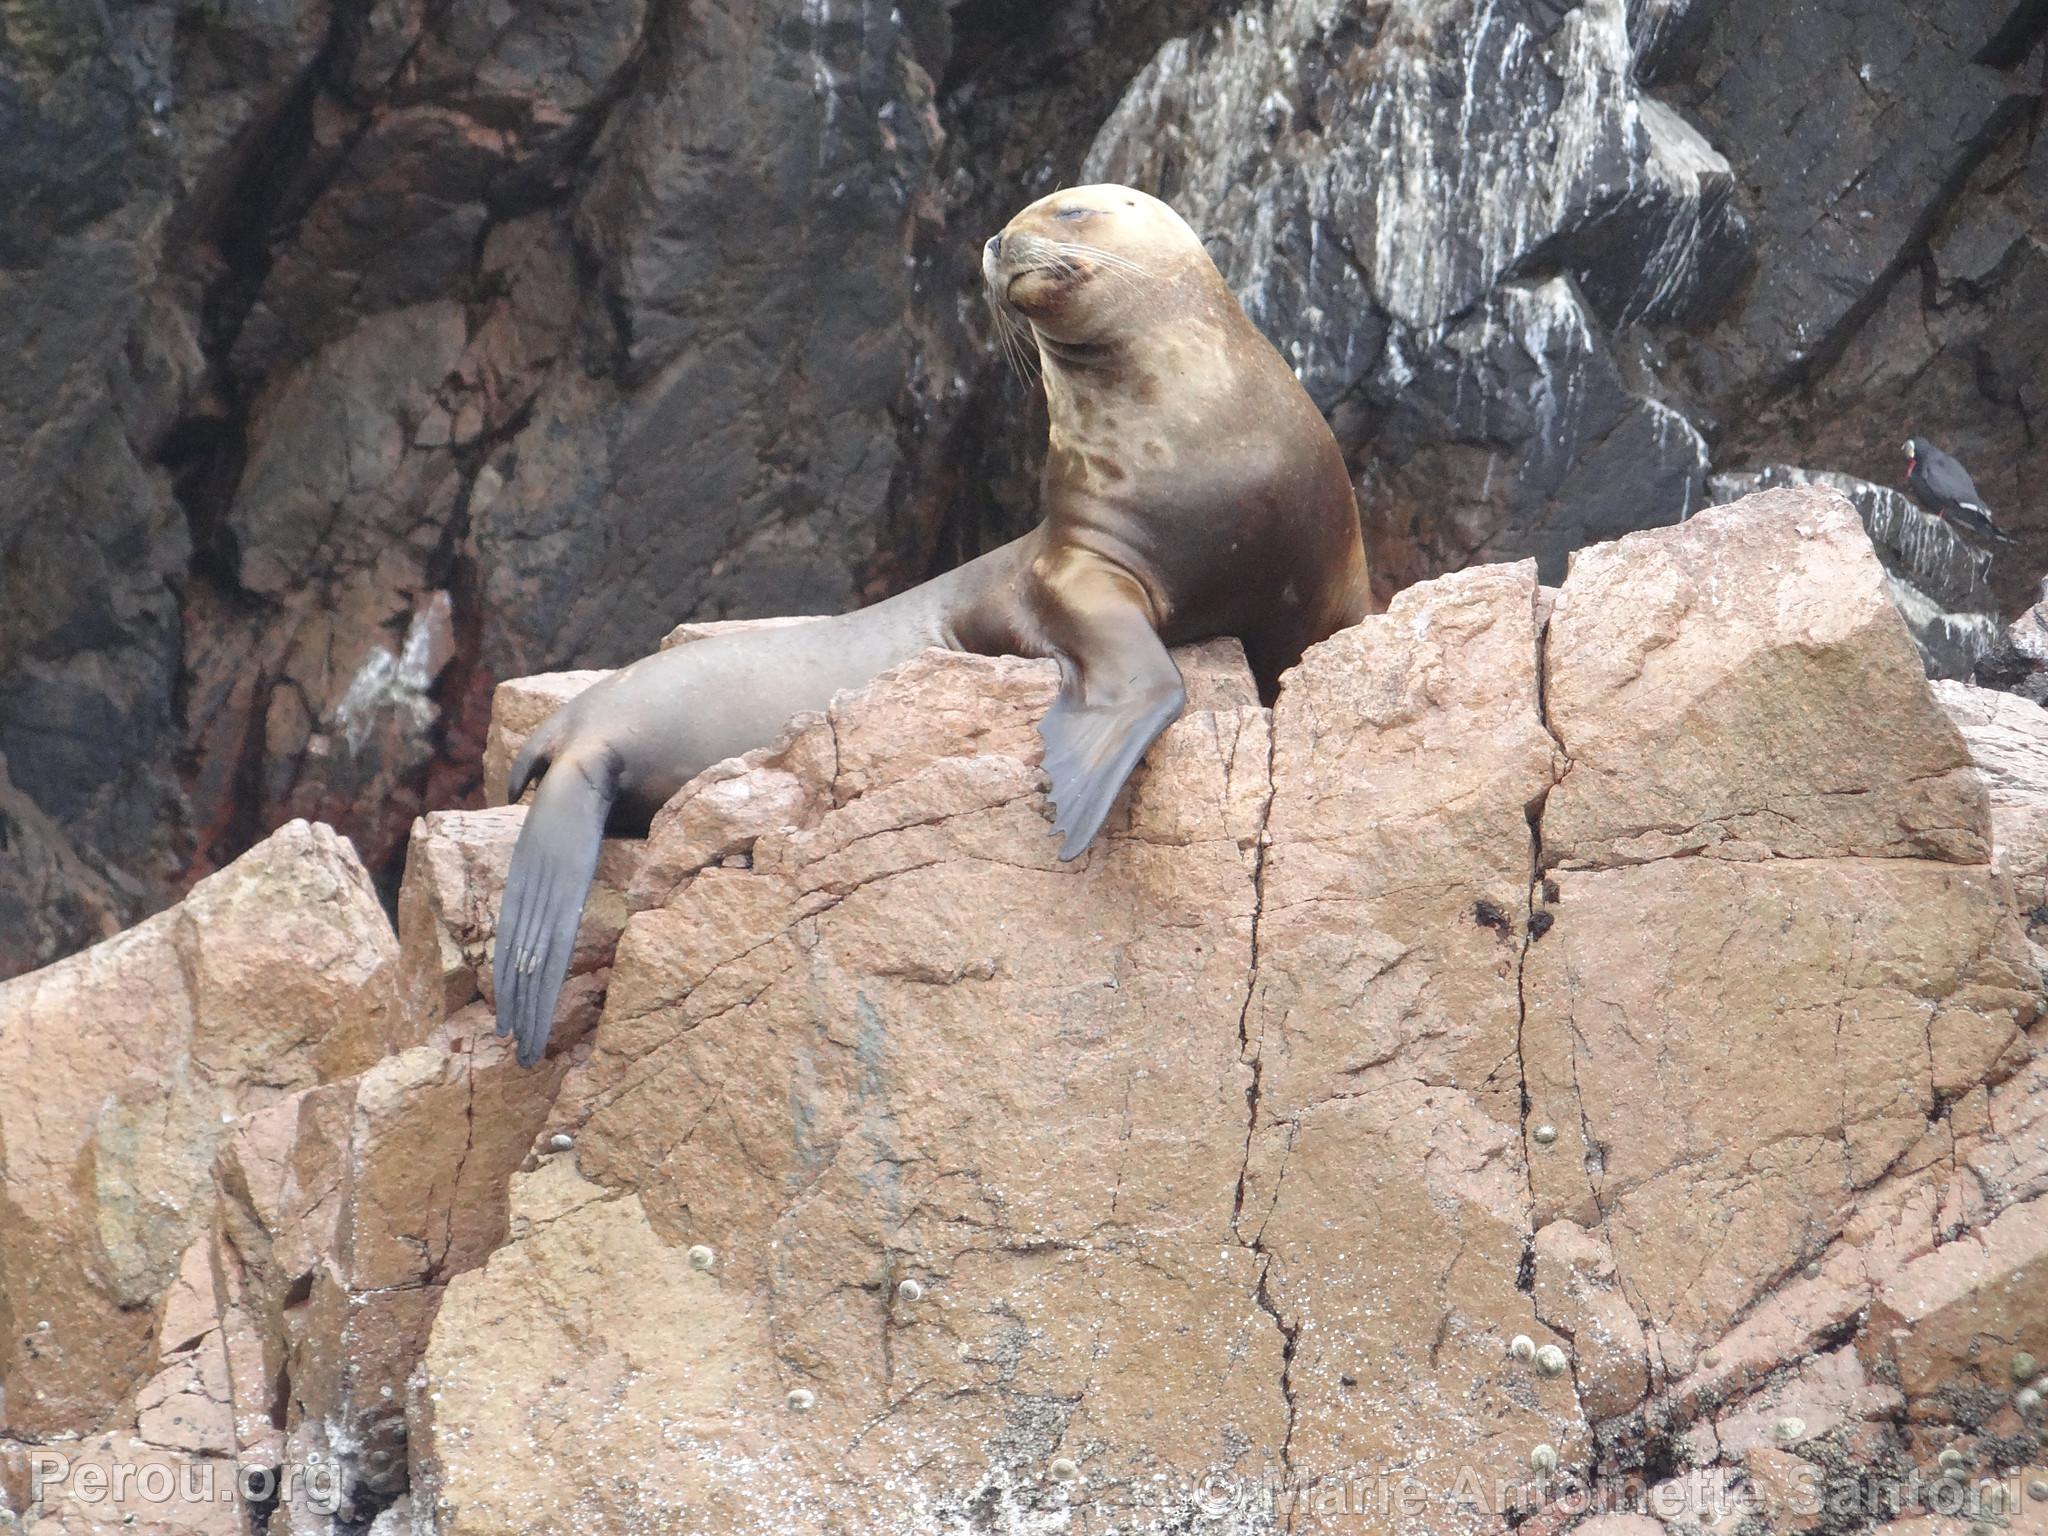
(124, 1068)
(517, 709)
(2008, 741)
(448, 908)
(1948, 1326)
(1742, 686)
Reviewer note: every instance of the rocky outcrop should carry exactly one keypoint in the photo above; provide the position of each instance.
(364, 356)
(1574, 1062)
(414, 333)
(1938, 579)
(1621, 971)
(124, 1069)
(2008, 740)
(241, 1163)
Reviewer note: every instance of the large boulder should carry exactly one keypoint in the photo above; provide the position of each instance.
(1779, 950)
(123, 1070)
(1383, 1183)
(1575, 1045)
(1742, 688)
(1442, 1006)
(872, 907)
(1939, 579)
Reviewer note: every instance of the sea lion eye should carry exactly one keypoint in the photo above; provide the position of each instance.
(1068, 215)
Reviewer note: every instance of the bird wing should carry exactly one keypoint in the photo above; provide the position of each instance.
(1950, 481)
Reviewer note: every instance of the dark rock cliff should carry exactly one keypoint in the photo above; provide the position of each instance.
(365, 352)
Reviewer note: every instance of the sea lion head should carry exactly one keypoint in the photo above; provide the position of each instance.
(1088, 264)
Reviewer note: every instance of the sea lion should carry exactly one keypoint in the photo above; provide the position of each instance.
(1191, 489)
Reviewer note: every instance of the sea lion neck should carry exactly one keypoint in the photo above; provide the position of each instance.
(1092, 357)
(1183, 358)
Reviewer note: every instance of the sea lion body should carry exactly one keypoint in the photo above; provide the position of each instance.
(1191, 490)
(654, 725)
(1219, 487)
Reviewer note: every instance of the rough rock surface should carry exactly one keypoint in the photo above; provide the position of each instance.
(364, 355)
(2018, 660)
(369, 353)
(123, 1069)
(1739, 688)
(1938, 579)
(2008, 739)
(242, 1163)
(1372, 202)
(1358, 1075)
(1573, 1063)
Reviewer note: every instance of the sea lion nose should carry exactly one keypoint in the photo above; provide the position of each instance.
(994, 246)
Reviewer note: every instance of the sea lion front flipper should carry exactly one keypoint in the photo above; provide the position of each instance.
(1119, 690)
(552, 866)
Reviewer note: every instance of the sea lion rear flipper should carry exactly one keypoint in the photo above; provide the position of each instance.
(534, 756)
(552, 866)
(1119, 690)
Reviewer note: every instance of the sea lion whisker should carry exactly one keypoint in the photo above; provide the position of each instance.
(1022, 354)
(1121, 278)
(1002, 336)
(1005, 326)
(1010, 337)
(1100, 257)
(1109, 259)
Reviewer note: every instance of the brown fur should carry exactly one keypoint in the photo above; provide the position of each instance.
(1191, 489)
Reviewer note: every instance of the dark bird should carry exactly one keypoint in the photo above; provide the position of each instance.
(1943, 487)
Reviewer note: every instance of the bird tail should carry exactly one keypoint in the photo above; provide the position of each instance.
(552, 866)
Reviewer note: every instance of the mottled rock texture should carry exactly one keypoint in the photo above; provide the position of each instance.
(124, 1069)
(1939, 580)
(241, 1164)
(1357, 1075)
(2008, 740)
(1573, 1063)
(366, 353)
